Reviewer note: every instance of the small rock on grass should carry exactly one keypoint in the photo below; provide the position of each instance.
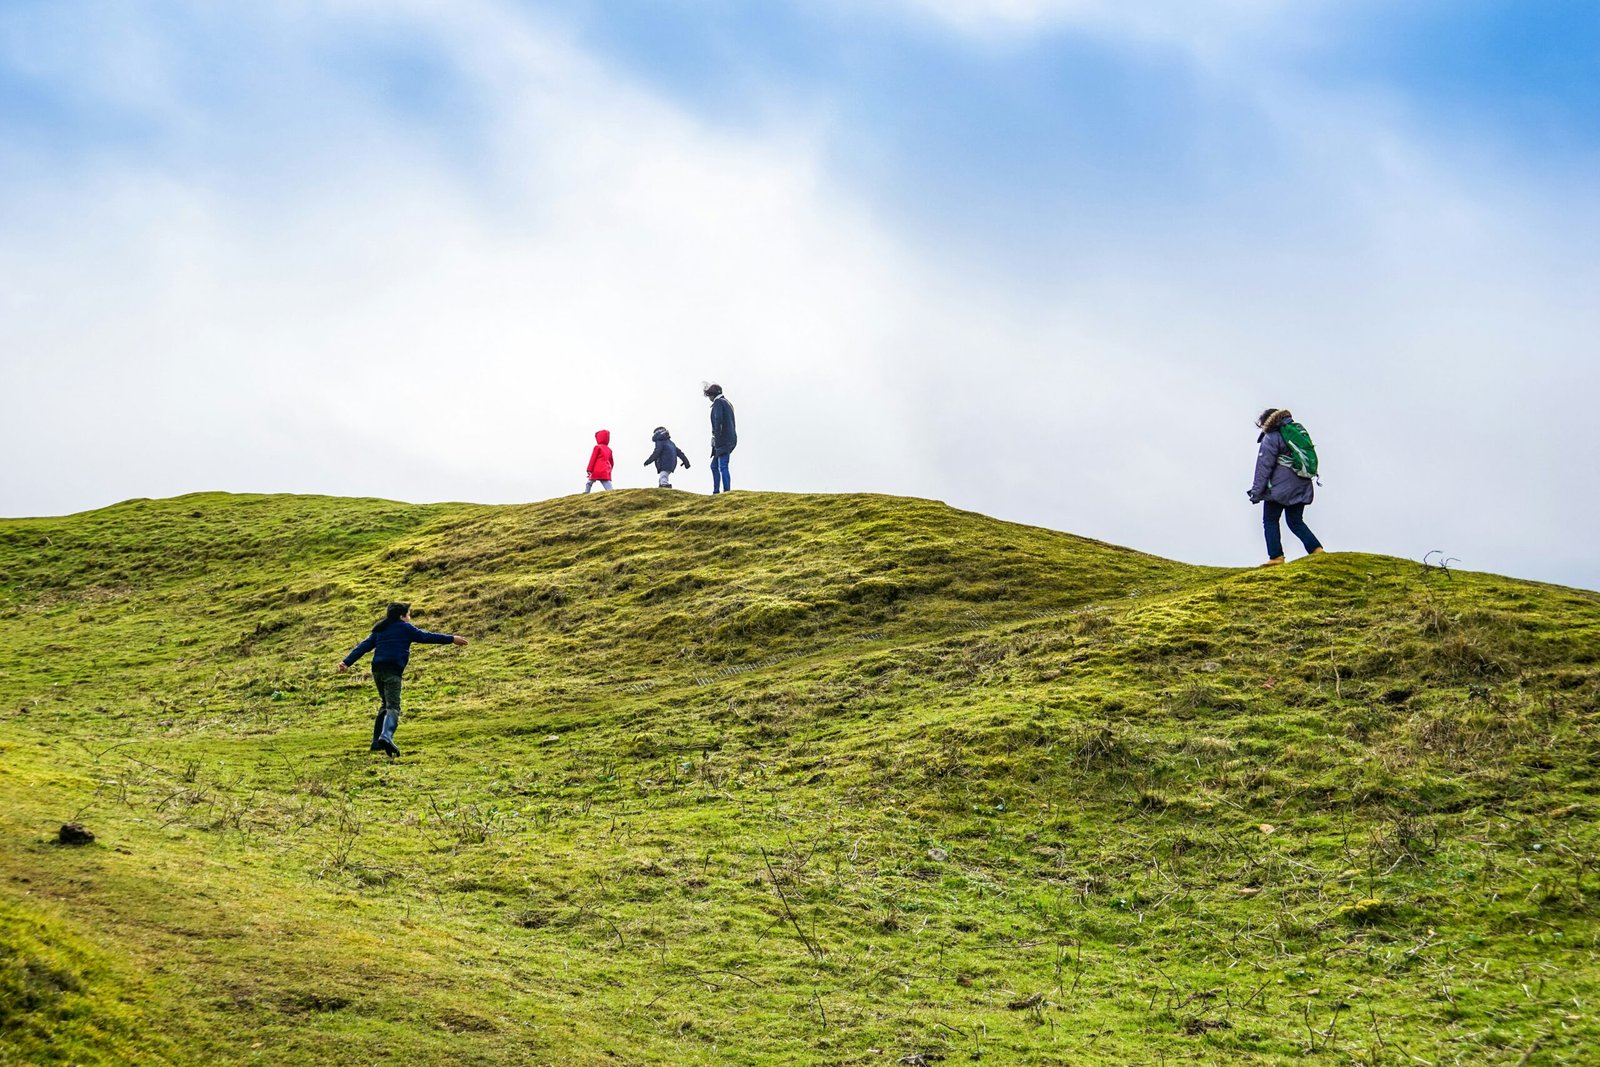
(74, 833)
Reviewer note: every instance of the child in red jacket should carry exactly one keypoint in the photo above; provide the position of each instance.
(600, 461)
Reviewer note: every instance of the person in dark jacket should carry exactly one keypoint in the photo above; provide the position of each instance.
(600, 461)
(1279, 490)
(666, 457)
(390, 644)
(723, 437)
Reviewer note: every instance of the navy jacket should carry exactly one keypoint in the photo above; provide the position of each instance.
(723, 436)
(667, 455)
(1277, 481)
(393, 644)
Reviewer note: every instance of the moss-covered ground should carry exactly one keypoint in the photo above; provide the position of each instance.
(767, 779)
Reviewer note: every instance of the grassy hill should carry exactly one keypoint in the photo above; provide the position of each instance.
(768, 779)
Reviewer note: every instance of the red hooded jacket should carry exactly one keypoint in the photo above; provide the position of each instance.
(600, 458)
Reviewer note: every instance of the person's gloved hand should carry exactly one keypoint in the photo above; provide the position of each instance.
(1254, 499)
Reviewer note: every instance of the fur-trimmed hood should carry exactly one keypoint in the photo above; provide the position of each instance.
(1273, 418)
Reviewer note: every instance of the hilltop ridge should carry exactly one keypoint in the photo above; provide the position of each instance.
(769, 778)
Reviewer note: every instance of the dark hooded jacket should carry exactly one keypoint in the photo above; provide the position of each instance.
(390, 644)
(1276, 481)
(667, 454)
(723, 436)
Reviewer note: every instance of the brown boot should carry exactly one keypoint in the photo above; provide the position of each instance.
(1275, 561)
(1317, 551)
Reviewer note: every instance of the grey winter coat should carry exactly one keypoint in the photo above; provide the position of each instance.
(1277, 481)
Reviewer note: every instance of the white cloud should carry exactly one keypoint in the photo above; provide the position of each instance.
(373, 317)
(1203, 27)
(625, 253)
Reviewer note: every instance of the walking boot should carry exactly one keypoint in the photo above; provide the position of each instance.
(386, 739)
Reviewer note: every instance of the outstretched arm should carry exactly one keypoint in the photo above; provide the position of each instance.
(428, 637)
(360, 650)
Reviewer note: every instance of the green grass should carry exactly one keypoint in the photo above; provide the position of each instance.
(769, 779)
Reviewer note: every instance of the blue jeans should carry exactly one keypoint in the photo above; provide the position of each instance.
(1270, 513)
(719, 473)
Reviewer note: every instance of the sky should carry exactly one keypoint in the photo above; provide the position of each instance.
(1043, 259)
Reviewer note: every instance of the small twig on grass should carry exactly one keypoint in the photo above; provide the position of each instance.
(811, 947)
(700, 976)
(103, 751)
(1430, 568)
(1257, 992)
(1333, 656)
(730, 974)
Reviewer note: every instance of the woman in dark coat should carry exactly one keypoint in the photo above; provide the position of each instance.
(724, 438)
(1278, 489)
(390, 644)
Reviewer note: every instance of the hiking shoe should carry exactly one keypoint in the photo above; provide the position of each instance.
(1275, 561)
(1318, 551)
(389, 747)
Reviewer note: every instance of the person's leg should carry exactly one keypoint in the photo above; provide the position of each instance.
(664, 481)
(727, 482)
(377, 723)
(588, 485)
(1270, 513)
(391, 708)
(1297, 526)
(606, 485)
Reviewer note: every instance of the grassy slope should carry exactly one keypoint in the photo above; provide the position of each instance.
(778, 779)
